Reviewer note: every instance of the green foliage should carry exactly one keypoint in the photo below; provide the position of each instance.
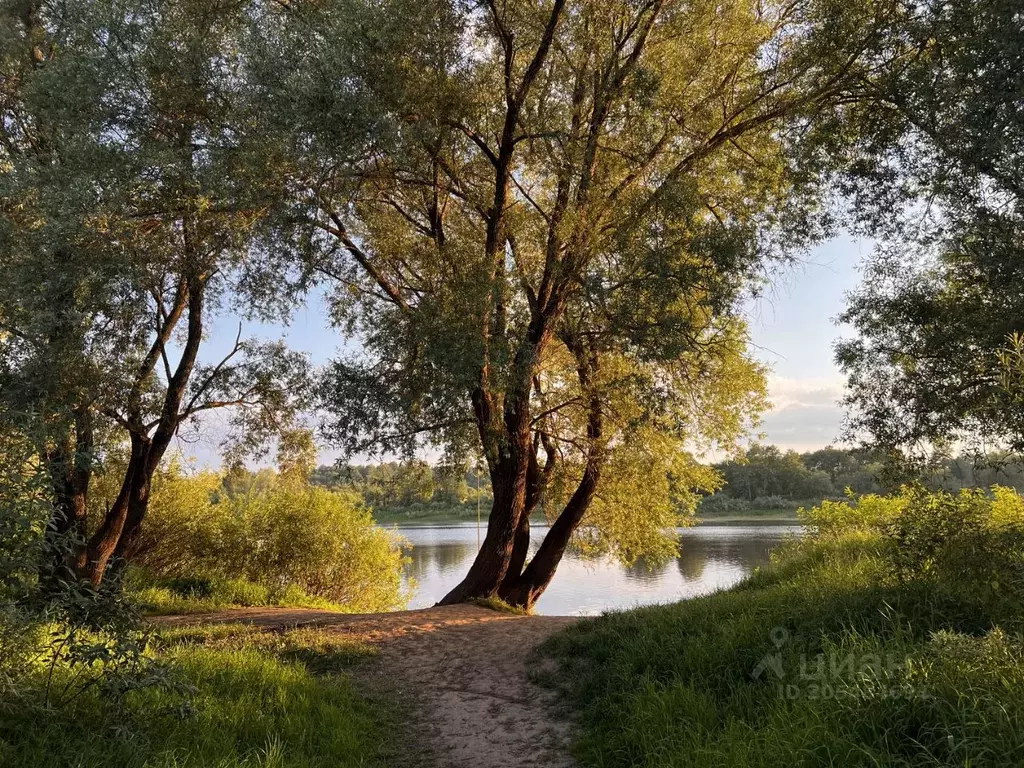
(178, 596)
(540, 225)
(281, 542)
(826, 657)
(411, 483)
(128, 209)
(254, 699)
(765, 471)
(60, 640)
(652, 488)
(969, 544)
(936, 169)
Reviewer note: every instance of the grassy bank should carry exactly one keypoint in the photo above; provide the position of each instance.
(425, 514)
(822, 659)
(243, 698)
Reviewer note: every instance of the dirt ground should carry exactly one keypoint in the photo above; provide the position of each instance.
(464, 667)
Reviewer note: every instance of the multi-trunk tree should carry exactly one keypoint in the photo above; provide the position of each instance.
(128, 201)
(541, 218)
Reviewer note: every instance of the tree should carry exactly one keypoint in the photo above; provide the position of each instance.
(941, 310)
(540, 219)
(128, 202)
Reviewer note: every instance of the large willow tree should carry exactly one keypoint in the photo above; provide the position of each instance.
(541, 218)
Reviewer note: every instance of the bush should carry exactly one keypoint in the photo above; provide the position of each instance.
(823, 658)
(65, 640)
(969, 544)
(317, 543)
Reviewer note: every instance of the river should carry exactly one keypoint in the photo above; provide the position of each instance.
(712, 557)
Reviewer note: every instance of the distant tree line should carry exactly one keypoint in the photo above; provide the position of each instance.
(766, 475)
(404, 484)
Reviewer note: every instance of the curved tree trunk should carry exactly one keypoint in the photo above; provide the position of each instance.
(500, 567)
(524, 590)
(121, 527)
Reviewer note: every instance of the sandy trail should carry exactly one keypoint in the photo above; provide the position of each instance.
(465, 668)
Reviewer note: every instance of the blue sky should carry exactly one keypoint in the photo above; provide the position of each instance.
(792, 327)
(794, 331)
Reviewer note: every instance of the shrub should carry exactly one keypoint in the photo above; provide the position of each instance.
(319, 543)
(65, 640)
(970, 544)
(868, 513)
(772, 502)
(823, 658)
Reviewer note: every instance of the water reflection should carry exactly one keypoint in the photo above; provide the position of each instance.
(712, 557)
(645, 571)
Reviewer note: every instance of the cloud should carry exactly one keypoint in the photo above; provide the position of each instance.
(807, 414)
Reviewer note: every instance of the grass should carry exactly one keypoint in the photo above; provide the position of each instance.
(258, 700)
(812, 662)
(425, 514)
(495, 603)
(193, 596)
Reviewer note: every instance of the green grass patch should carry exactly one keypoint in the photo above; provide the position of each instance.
(817, 660)
(426, 514)
(167, 597)
(249, 698)
(495, 603)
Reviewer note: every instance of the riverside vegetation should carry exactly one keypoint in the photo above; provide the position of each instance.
(537, 226)
(84, 682)
(891, 635)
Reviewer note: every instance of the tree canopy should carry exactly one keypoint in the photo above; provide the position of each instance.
(540, 220)
(939, 175)
(128, 200)
(537, 223)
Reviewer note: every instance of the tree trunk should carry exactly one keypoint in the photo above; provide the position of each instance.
(520, 551)
(66, 529)
(122, 524)
(524, 591)
(492, 561)
(104, 541)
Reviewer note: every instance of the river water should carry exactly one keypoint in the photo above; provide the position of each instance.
(712, 557)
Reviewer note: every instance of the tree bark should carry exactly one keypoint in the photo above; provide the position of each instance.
(523, 589)
(121, 528)
(104, 541)
(492, 561)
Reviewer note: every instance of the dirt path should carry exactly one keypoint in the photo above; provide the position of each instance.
(466, 670)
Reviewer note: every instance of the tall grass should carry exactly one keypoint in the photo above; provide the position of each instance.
(825, 658)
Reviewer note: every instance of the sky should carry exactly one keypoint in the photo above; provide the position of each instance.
(792, 328)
